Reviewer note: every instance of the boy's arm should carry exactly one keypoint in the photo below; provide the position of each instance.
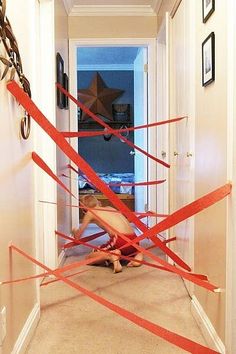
(86, 220)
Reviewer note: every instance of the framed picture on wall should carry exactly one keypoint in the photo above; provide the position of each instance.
(60, 72)
(208, 7)
(208, 60)
(65, 86)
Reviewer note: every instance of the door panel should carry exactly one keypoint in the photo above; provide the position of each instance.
(182, 133)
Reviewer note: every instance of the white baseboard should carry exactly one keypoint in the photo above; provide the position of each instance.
(206, 327)
(27, 331)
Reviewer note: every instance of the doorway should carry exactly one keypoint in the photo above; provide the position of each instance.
(139, 49)
(122, 69)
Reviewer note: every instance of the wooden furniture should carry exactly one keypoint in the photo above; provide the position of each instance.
(128, 200)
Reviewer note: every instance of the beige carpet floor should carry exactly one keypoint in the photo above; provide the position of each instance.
(74, 324)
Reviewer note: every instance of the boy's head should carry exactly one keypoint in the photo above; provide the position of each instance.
(90, 201)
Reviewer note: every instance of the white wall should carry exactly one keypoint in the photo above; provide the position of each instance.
(112, 26)
(230, 327)
(17, 183)
(210, 158)
(211, 165)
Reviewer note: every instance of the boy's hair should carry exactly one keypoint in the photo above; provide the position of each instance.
(90, 201)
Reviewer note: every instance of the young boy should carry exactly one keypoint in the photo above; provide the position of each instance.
(111, 221)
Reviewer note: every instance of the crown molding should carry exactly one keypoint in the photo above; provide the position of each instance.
(68, 4)
(175, 8)
(156, 4)
(106, 67)
(112, 10)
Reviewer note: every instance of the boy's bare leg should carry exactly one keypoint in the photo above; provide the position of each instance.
(139, 257)
(115, 259)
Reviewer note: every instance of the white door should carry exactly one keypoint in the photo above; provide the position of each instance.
(182, 133)
(140, 136)
(163, 114)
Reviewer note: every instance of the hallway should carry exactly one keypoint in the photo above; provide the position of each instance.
(183, 37)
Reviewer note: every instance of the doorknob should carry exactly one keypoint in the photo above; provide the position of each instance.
(132, 152)
(189, 154)
(176, 153)
(163, 154)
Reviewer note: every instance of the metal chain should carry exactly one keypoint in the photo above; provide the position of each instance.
(12, 64)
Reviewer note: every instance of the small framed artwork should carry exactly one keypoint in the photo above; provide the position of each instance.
(65, 86)
(60, 72)
(208, 7)
(208, 60)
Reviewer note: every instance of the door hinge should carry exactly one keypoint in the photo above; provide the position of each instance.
(145, 68)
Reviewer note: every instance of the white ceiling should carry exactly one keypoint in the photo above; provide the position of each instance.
(112, 7)
(112, 2)
(106, 58)
(115, 57)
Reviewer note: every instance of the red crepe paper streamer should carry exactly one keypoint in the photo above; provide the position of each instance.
(170, 267)
(176, 339)
(73, 169)
(128, 258)
(37, 159)
(139, 214)
(94, 237)
(185, 275)
(74, 265)
(83, 239)
(31, 277)
(66, 276)
(186, 212)
(99, 132)
(38, 116)
(128, 184)
(101, 122)
(207, 199)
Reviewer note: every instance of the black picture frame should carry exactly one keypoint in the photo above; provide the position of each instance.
(59, 73)
(208, 60)
(208, 7)
(65, 86)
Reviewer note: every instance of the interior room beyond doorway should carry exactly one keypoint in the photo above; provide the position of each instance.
(112, 68)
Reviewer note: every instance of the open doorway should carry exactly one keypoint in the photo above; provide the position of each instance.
(150, 45)
(112, 82)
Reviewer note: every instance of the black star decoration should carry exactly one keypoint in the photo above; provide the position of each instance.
(98, 98)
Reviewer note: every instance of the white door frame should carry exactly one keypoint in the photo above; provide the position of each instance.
(150, 43)
(230, 321)
(140, 136)
(45, 187)
(163, 113)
